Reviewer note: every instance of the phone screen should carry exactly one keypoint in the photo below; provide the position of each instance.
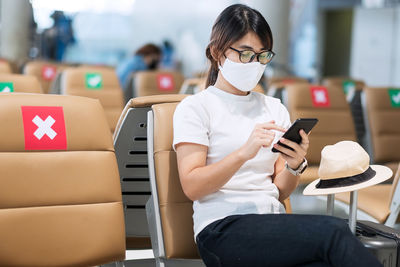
(293, 132)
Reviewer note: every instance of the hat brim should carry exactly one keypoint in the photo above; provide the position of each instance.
(382, 174)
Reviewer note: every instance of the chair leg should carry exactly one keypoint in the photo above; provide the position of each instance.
(119, 264)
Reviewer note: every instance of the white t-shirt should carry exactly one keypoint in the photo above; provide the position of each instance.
(223, 122)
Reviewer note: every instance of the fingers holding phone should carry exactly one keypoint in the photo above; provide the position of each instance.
(294, 143)
(292, 152)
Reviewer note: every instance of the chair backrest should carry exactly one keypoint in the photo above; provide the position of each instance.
(45, 72)
(276, 85)
(193, 85)
(5, 66)
(60, 197)
(99, 83)
(19, 83)
(175, 238)
(55, 87)
(282, 81)
(130, 143)
(353, 90)
(344, 82)
(329, 106)
(382, 108)
(157, 82)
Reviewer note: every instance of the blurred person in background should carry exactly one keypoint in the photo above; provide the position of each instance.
(167, 60)
(145, 58)
(58, 37)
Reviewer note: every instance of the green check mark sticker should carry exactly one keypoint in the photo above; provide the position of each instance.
(394, 95)
(6, 87)
(94, 81)
(348, 86)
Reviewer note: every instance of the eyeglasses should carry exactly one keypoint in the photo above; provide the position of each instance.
(247, 56)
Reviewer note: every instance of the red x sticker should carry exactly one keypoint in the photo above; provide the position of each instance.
(48, 72)
(165, 82)
(44, 128)
(320, 96)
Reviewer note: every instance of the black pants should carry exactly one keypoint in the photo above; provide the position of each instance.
(282, 240)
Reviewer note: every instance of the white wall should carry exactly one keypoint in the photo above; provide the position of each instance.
(186, 23)
(375, 46)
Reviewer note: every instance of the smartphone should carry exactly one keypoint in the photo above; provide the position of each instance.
(293, 132)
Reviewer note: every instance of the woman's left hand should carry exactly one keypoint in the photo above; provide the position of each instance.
(294, 157)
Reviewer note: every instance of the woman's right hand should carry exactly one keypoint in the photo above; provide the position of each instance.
(262, 136)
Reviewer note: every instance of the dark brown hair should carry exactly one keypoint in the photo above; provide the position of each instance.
(148, 49)
(231, 25)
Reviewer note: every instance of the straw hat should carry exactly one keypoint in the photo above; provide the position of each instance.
(345, 167)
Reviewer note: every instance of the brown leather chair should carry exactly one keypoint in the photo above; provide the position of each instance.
(282, 81)
(169, 211)
(381, 202)
(96, 66)
(99, 83)
(353, 90)
(383, 128)
(60, 197)
(44, 71)
(277, 84)
(193, 85)
(55, 87)
(130, 143)
(335, 120)
(342, 82)
(5, 66)
(19, 83)
(157, 82)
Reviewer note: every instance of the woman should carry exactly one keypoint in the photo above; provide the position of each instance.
(223, 138)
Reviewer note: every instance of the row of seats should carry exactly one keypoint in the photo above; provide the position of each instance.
(348, 110)
(75, 82)
(168, 210)
(331, 130)
(380, 134)
(92, 81)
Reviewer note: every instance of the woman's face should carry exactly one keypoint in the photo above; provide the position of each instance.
(250, 41)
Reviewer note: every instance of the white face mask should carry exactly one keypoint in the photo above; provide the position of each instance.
(243, 76)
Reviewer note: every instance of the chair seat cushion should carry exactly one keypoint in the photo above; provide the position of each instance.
(374, 200)
(309, 175)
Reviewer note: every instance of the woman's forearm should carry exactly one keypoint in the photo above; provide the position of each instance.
(286, 183)
(208, 179)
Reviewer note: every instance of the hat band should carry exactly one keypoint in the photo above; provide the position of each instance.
(347, 181)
